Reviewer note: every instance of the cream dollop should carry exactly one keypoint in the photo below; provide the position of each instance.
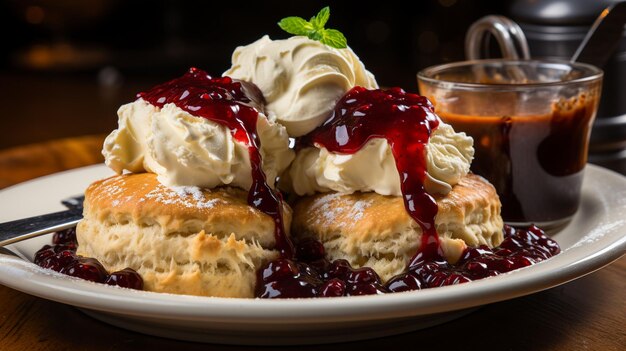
(301, 79)
(183, 149)
(315, 169)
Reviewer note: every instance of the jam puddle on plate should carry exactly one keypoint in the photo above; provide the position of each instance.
(405, 120)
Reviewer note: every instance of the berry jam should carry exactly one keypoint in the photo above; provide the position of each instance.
(127, 278)
(230, 103)
(406, 121)
(312, 275)
(61, 257)
(85, 268)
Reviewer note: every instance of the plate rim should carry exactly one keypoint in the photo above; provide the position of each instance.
(142, 304)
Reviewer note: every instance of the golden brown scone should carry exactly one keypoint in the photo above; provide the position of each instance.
(373, 230)
(181, 240)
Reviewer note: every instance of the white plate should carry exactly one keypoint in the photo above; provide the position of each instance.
(594, 238)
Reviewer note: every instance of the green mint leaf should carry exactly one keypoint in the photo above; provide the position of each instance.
(295, 25)
(316, 35)
(319, 21)
(333, 38)
(314, 29)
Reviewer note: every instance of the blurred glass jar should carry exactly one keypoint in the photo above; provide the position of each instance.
(530, 121)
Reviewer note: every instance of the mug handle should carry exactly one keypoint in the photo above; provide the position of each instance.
(509, 35)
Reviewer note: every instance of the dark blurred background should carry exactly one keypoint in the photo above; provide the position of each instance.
(66, 66)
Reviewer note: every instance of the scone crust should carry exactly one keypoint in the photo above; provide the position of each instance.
(373, 230)
(181, 240)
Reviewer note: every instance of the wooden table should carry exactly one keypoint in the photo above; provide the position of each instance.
(586, 314)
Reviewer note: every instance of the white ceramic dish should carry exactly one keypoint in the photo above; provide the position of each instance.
(595, 237)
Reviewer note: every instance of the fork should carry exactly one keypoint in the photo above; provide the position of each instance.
(26, 228)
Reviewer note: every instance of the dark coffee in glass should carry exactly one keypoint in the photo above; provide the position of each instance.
(530, 121)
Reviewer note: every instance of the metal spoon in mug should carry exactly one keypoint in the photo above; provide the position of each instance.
(595, 49)
(603, 37)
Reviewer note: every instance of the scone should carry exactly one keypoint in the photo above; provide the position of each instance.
(182, 240)
(372, 230)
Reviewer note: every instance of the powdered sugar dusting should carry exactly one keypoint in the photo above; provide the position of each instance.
(194, 191)
(111, 189)
(612, 202)
(114, 190)
(358, 208)
(324, 200)
(598, 232)
(323, 204)
(187, 196)
(331, 212)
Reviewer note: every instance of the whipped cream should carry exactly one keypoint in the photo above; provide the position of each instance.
(301, 79)
(372, 168)
(185, 150)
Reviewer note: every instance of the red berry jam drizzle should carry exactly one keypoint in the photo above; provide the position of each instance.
(406, 121)
(313, 275)
(61, 257)
(229, 103)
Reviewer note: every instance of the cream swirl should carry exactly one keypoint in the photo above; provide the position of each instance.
(301, 79)
(372, 168)
(183, 149)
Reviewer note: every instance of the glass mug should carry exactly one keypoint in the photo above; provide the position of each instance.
(530, 121)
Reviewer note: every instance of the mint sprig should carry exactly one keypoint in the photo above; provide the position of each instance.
(314, 29)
